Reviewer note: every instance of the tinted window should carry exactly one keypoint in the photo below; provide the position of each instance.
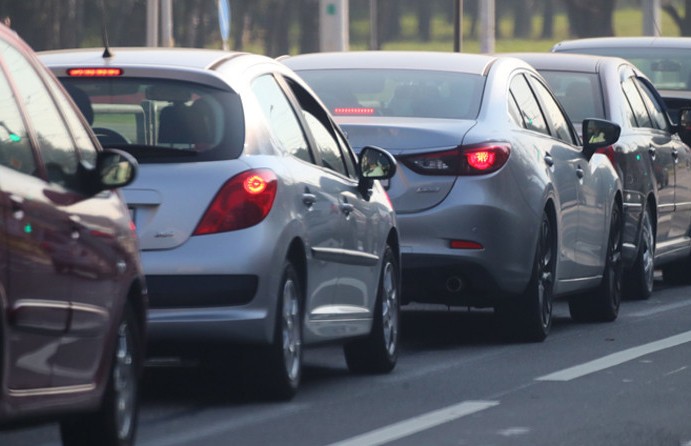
(407, 93)
(636, 102)
(280, 117)
(559, 123)
(54, 140)
(655, 110)
(157, 118)
(15, 149)
(528, 105)
(579, 93)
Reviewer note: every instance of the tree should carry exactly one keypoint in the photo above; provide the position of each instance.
(590, 18)
(683, 22)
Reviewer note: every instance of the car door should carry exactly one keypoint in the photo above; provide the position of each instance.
(36, 294)
(660, 151)
(593, 206)
(78, 264)
(561, 163)
(681, 163)
(353, 302)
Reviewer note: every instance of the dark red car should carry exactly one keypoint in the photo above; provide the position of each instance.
(72, 295)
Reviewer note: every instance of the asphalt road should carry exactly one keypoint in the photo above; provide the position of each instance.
(457, 383)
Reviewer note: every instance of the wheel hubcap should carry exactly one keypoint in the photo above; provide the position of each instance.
(124, 379)
(292, 343)
(648, 244)
(389, 306)
(615, 262)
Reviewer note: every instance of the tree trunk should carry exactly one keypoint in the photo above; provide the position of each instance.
(683, 23)
(309, 25)
(547, 20)
(522, 18)
(590, 18)
(424, 20)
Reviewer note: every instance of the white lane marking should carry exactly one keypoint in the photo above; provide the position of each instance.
(616, 358)
(416, 424)
(660, 309)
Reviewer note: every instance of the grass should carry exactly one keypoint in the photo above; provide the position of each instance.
(627, 22)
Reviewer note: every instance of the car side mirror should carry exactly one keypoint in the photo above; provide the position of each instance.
(683, 127)
(374, 163)
(598, 133)
(114, 168)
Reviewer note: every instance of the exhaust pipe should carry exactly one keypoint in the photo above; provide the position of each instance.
(454, 284)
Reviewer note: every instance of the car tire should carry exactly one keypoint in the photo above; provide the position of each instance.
(603, 304)
(639, 279)
(529, 318)
(115, 421)
(280, 368)
(378, 352)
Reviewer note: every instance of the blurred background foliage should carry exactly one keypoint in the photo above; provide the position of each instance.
(275, 27)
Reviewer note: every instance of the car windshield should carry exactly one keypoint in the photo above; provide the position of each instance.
(402, 93)
(579, 93)
(157, 119)
(667, 68)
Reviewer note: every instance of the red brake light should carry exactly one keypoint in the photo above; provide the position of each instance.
(477, 159)
(609, 153)
(243, 201)
(465, 244)
(365, 111)
(94, 72)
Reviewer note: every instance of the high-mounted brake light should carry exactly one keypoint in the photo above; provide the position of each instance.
(243, 201)
(94, 72)
(478, 159)
(364, 111)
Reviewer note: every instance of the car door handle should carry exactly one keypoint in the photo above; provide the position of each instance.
(675, 155)
(17, 203)
(548, 160)
(579, 172)
(76, 223)
(309, 199)
(651, 151)
(346, 208)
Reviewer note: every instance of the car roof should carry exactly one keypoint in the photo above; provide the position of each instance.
(570, 61)
(412, 60)
(184, 58)
(624, 42)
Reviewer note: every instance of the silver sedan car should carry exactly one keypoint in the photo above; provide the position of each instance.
(258, 225)
(498, 202)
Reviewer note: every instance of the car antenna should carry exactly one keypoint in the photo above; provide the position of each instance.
(106, 51)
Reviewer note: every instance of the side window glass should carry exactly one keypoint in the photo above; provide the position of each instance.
(656, 111)
(15, 148)
(55, 143)
(636, 102)
(560, 123)
(85, 146)
(514, 111)
(330, 148)
(329, 151)
(527, 104)
(280, 117)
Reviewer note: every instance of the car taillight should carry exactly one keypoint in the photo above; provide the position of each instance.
(476, 159)
(243, 201)
(94, 72)
(609, 153)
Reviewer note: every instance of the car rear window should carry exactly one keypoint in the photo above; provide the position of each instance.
(403, 93)
(161, 120)
(667, 68)
(579, 93)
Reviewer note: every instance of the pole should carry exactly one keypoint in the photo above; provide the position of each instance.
(373, 25)
(151, 22)
(651, 18)
(458, 26)
(166, 23)
(487, 28)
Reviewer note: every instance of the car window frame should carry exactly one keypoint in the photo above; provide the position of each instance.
(542, 101)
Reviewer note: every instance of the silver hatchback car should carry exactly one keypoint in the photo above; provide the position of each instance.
(257, 223)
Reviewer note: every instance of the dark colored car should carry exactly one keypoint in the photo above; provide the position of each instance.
(72, 292)
(498, 201)
(654, 164)
(665, 60)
